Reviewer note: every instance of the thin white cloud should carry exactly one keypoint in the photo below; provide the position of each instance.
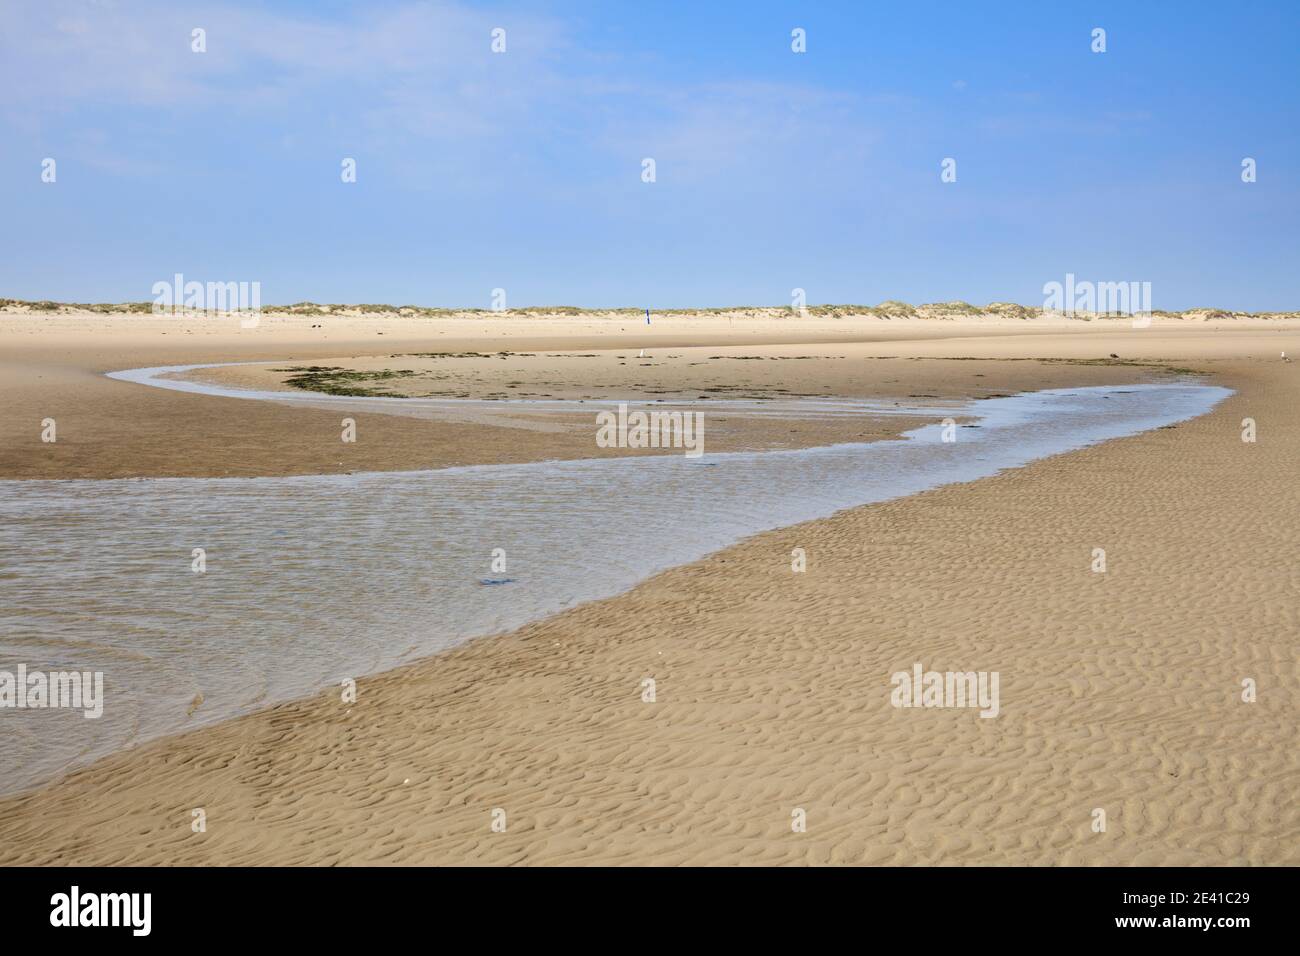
(393, 81)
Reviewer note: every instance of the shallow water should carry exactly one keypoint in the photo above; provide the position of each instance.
(310, 580)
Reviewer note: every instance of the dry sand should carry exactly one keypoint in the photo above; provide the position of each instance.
(1120, 691)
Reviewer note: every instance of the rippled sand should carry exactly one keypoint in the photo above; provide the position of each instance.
(1119, 691)
(311, 580)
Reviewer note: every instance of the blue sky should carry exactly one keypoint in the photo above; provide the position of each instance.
(774, 170)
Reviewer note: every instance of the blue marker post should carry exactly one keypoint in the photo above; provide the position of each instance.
(647, 316)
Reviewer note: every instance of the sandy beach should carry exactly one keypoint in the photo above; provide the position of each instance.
(1121, 690)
